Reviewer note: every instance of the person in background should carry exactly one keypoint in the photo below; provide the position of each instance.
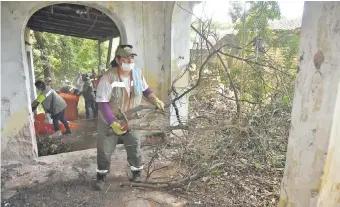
(89, 98)
(69, 88)
(95, 81)
(97, 78)
(93, 78)
(48, 81)
(52, 104)
(121, 87)
(80, 81)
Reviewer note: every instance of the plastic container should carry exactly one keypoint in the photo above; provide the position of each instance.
(43, 128)
(71, 112)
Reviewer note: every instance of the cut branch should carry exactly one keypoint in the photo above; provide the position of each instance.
(199, 75)
(171, 184)
(225, 68)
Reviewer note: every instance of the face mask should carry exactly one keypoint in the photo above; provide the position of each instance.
(128, 66)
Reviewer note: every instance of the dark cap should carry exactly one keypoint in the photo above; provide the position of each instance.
(125, 51)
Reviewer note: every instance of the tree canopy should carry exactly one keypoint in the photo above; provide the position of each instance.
(63, 57)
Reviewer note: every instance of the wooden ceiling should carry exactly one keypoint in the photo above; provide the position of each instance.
(74, 20)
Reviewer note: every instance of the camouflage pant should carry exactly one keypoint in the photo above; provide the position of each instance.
(107, 144)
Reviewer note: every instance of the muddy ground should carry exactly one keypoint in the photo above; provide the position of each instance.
(81, 192)
(83, 137)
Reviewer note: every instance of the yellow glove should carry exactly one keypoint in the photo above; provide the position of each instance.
(117, 128)
(159, 104)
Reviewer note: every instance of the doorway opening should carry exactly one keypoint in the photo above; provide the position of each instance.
(68, 43)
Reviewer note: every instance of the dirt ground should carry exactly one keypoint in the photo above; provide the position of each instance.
(231, 185)
(80, 191)
(83, 137)
(75, 193)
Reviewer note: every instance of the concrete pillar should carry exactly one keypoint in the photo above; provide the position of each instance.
(29, 53)
(312, 173)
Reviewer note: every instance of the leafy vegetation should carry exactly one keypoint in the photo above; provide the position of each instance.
(258, 65)
(63, 57)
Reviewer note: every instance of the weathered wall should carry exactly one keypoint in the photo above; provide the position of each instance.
(311, 176)
(16, 124)
(146, 25)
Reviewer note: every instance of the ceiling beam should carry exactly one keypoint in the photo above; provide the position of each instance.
(70, 33)
(67, 22)
(72, 26)
(73, 13)
(63, 33)
(70, 29)
(74, 7)
(72, 18)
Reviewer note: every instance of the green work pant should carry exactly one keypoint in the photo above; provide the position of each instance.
(107, 144)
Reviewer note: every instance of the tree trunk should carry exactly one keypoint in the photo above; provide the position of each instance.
(48, 71)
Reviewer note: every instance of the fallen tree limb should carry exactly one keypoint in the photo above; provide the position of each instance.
(143, 185)
(189, 128)
(171, 184)
(226, 69)
(181, 127)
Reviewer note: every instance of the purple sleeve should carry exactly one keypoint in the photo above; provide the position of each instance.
(147, 92)
(104, 108)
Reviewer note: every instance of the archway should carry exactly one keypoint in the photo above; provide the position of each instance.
(86, 20)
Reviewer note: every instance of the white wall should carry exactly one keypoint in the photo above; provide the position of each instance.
(146, 25)
(16, 124)
(311, 176)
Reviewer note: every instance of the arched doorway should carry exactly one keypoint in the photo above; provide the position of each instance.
(85, 21)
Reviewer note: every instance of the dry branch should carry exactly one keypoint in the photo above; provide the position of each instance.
(172, 184)
(226, 69)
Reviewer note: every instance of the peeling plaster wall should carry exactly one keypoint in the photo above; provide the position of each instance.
(310, 177)
(146, 25)
(16, 123)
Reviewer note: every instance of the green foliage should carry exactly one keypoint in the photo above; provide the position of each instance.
(65, 56)
(257, 80)
(290, 47)
(270, 55)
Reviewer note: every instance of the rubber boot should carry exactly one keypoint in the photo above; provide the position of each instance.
(100, 182)
(136, 177)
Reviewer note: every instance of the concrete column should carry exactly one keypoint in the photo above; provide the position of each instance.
(18, 142)
(29, 53)
(312, 173)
